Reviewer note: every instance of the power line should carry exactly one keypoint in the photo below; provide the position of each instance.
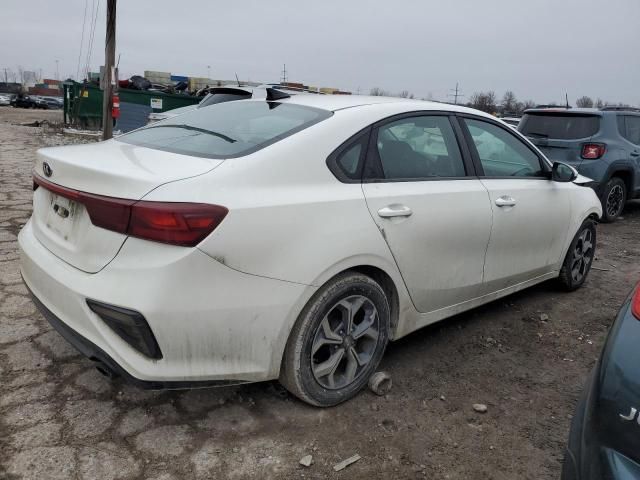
(86, 56)
(84, 22)
(93, 32)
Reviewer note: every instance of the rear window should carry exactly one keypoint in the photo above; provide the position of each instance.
(559, 126)
(214, 98)
(231, 129)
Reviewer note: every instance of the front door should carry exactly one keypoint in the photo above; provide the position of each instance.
(435, 218)
(530, 212)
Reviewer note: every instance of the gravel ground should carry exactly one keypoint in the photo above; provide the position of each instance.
(525, 357)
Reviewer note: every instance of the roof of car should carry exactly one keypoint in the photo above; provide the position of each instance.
(563, 110)
(340, 102)
(583, 111)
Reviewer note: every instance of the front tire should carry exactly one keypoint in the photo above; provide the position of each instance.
(579, 258)
(338, 341)
(613, 199)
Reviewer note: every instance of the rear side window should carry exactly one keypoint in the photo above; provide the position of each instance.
(347, 161)
(629, 127)
(559, 126)
(227, 130)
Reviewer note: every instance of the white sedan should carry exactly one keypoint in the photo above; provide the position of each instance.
(292, 237)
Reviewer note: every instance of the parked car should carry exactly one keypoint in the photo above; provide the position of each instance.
(223, 94)
(603, 145)
(511, 121)
(604, 441)
(41, 102)
(215, 95)
(53, 102)
(292, 237)
(5, 100)
(24, 101)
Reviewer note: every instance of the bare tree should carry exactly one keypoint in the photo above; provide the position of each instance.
(522, 106)
(378, 92)
(584, 102)
(485, 101)
(509, 102)
(405, 94)
(599, 103)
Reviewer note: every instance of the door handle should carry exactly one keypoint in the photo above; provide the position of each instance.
(635, 154)
(395, 211)
(505, 201)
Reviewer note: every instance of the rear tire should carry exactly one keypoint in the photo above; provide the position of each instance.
(337, 342)
(579, 258)
(614, 198)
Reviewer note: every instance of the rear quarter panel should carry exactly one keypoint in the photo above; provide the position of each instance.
(289, 218)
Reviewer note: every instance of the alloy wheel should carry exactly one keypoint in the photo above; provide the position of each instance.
(582, 255)
(345, 342)
(615, 201)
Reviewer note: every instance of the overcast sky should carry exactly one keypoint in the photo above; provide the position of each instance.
(537, 48)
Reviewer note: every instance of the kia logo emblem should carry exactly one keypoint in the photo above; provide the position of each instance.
(46, 168)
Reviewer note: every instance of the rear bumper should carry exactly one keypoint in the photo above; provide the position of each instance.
(212, 323)
(107, 364)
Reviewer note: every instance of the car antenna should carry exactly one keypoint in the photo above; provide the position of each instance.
(273, 95)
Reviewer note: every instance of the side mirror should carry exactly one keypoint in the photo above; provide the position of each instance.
(561, 172)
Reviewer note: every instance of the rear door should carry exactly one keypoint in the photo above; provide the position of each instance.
(433, 213)
(530, 212)
(560, 134)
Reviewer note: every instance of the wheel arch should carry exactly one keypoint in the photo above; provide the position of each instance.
(626, 173)
(594, 214)
(383, 279)
(385, 273)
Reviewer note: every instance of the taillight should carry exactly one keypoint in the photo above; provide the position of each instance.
(635, 303)
(593, 151)
(184, 224)
(107, 212)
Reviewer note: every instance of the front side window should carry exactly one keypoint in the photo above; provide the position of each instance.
(419, 147)
(225, 130)
(501, 153)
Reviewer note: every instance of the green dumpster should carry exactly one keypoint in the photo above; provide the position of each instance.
(83, 103)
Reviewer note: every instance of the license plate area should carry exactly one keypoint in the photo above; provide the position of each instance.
(61, 216)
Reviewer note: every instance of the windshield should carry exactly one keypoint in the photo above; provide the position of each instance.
(231, 129)
(560, 126)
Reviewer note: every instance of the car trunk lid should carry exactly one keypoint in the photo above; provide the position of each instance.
(113, 169)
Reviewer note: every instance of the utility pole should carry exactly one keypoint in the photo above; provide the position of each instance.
(284, 73)
(109, 72)
(456, 93)
(57, 71)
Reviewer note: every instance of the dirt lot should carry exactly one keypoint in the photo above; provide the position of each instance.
(525, 357)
